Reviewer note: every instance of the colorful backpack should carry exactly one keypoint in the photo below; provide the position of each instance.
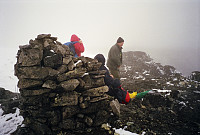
(71, 47)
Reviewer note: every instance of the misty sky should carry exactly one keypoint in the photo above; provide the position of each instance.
(167, 30)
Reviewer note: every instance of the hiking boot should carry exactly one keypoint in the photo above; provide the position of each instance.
(115, 107)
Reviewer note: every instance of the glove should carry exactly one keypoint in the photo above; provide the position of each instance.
(133, 95)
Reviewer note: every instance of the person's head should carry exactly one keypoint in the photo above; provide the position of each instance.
(120, 41)
(74, 38)
(100, 58)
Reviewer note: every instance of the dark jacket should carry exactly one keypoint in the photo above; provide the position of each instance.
(114, 57)
(114, 85)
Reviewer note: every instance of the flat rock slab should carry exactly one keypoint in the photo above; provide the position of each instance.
(66, 99)
(95, 92)
(70, 85)
(37, 92)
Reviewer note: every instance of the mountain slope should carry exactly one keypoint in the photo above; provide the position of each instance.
(140, 72)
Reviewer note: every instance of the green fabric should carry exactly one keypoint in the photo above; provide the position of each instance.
(114, 57)
(141, 95)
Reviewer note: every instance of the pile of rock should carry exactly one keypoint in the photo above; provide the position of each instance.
(60, 93)
(9, 101)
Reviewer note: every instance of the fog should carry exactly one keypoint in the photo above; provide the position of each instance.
(167, 30)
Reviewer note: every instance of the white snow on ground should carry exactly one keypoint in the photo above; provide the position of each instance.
(138, 77)
(161, 71)
(183, 103)
(127, 68)
(145, 72)
(79, 61)
(160, 91)
(9, 122)
(197, 92)
(125, 132)
(169, 83)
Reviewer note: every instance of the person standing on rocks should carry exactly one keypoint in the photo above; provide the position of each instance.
(78, 45)
(115, 58)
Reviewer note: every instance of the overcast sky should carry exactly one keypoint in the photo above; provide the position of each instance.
(167, 30)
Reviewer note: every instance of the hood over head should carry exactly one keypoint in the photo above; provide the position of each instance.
(100, 58)
(74, 38)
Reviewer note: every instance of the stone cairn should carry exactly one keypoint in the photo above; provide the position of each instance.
(60, 94)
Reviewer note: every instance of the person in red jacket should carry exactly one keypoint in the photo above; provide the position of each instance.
(79, 48)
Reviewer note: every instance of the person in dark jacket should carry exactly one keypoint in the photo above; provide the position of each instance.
(115, 58)
(115, 88)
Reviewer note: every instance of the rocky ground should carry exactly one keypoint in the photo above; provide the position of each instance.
(173, 109)
(9, 101)
(176, 112)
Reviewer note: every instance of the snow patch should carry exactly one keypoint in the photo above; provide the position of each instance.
(182, 103)
(125, 132)
(198, 92)
(52, 51)
(160, 91)
(79, 61)
(161, 71)
(9, 122)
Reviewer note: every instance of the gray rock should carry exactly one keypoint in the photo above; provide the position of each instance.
(101, 117)
(62, 69)
(62, 49)
(69, 111)
(41, 36)
(35, 101)
(50, 84)
(66, 99)
(26, 93)
(83, 105)
(68, 124)
(30, 57)
(71, 65)
(70, 85)
(53, 61)
(71, 74)
(115, 107)
(40, 129)
(95, 92)
(99, 72)
(39, 73)
(52, 73)
(98, 82)
(96, 99)
(6, 94)
(67, 60)
(96, 106)
(80, 99)
(28, 83)
(88, 121)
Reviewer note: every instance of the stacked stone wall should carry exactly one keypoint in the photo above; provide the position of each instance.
(60, 94)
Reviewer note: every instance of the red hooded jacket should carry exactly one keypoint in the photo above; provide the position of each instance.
(79, 48)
